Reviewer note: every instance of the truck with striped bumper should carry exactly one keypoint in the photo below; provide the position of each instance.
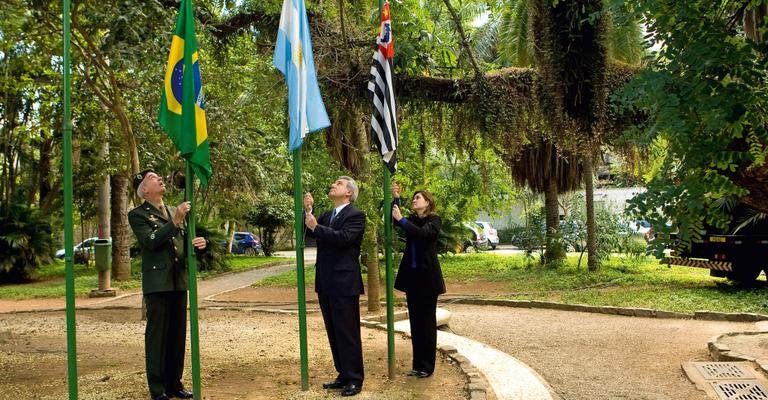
(739, 253)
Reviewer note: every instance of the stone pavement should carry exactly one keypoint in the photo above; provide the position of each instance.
(742, 346)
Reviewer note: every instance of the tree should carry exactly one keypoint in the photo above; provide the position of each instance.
(705, 96)
(508, 40)
(270, 212)
(572, 61)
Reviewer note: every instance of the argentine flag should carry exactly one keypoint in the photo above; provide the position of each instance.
(293, 57)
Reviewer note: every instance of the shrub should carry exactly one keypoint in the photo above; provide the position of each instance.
(25, 242)
(214, 258)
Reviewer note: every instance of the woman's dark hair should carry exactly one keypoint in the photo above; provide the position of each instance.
(429, 198)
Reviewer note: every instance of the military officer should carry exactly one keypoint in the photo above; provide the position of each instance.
(159, 229)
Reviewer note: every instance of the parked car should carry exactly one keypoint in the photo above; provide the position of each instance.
(641, 226)
(245, 243)
(82, 251)
(474, 238)
(491, 236)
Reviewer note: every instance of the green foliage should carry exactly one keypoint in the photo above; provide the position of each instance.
(271, 212)
(532, 237)
(621, 282)
(451, 237)
(24, 242)
(615, 236)
(705, 96)
(636, 282)
(214, 257)
(288, 279)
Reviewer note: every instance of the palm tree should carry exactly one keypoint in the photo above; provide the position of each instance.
(570, 77)
(544, 169)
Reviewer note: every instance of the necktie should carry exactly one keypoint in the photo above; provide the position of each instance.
(333, 216)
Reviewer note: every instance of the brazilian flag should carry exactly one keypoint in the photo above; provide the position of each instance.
(182, 104)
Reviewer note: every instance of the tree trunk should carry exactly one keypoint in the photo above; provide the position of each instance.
(121, 233)
(554, 251)
(371, 261)
(592, 261)
(130, 140)
(104, 231)
(44, 170)
(753, 19)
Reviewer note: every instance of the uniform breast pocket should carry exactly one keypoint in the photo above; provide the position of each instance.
(149, 267)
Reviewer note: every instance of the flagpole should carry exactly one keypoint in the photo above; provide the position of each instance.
(68, 224)
(298, 226)
(194, 340)
(389, 272)
(388, 263)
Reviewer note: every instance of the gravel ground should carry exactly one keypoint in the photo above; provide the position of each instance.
(586, 356)
(244, 355)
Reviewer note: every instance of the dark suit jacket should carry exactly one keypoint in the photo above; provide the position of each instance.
(163, 265)
(425, 277)
(337, 268)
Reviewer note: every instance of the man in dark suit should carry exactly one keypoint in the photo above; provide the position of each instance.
(338, 281)
(160, 232)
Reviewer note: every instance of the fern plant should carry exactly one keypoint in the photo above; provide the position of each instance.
(25, 242)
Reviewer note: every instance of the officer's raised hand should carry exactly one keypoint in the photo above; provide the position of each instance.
(199, 243)
(181, 212)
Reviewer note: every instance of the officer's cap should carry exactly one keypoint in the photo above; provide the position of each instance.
(138, 178)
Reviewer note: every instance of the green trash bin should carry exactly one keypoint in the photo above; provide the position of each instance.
(102, 249)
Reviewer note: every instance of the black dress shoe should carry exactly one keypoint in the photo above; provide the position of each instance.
(161, 397)
(181, 394)
(337, 384)
(351, 389)
(418, 374)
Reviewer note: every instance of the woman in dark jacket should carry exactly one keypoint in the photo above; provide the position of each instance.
(420, 277)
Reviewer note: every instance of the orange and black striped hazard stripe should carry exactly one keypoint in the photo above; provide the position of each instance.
(700, 263)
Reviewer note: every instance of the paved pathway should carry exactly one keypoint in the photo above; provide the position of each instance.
(509, 378)
(205, 288)
(208, 288)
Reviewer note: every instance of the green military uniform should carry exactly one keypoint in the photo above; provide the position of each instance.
(164, 283)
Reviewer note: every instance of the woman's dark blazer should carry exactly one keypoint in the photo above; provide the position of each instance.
(426, 277)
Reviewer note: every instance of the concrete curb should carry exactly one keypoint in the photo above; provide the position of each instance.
(476, 387)
(630, 312)
(721, 352)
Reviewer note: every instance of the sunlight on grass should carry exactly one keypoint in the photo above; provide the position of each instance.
(622, 282)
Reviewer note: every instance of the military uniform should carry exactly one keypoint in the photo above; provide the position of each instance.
(164, 283)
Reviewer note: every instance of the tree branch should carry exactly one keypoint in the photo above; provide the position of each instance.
(464, 43)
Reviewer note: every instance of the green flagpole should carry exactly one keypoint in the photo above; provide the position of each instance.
(194, 340)
(388, 262)
(298, 225)
(389, 273)
(68, 230)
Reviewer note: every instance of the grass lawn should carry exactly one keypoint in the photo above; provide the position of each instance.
(50, 278)
(621, 282)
